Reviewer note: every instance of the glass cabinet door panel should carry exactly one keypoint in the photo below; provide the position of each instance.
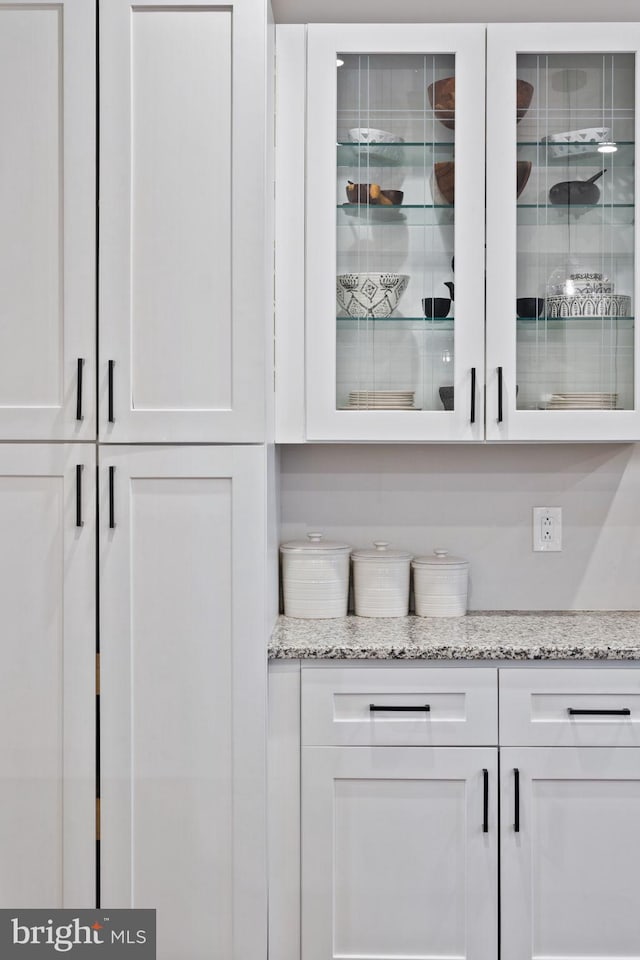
(561, 260)
(395, 232)
(394, 159)
(575, 235)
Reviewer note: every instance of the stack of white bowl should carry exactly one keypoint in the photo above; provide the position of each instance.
(315, 578)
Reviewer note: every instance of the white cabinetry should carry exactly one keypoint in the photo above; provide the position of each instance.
(403, 107)
(182, 225)
(399, 843)
(47, 234)
(47, 701)
(569, 373)
(182, 693)
(390, 832)
(569, 870)
(570, 832)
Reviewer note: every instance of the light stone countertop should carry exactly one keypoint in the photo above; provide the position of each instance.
(490, 635)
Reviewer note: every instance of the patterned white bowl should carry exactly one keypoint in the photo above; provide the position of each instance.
(369, 294)
(575, 142)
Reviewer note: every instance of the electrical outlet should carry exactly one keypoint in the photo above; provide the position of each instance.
(547, 529)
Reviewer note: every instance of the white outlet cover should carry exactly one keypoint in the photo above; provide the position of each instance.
(547, 529)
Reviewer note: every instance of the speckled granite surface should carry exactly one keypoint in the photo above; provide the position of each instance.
(501, 635)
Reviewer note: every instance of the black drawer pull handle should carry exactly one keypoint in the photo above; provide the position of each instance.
(373, 706)
(112, 516)
(472, 417)
(516, 797)
(79, 521)
(485, 788)
(112, 364)
(499, 394)
(624, 712)
(79, 389)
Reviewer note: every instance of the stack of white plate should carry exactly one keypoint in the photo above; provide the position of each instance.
(583, 401)
(381, 400)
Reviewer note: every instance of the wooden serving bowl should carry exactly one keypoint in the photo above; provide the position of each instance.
(444, 172)
(442, 97)
(363, 193)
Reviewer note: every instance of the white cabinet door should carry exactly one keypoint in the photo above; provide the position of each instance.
(183, 292)
(570, 871)
(47, 681)
(47, 220)
(395, 860)
(379, 367)
(183, 678)
(562, 266)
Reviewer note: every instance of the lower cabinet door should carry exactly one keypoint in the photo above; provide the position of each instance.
(183, 695)
(47, 680)
(396, 861)
(570, 852)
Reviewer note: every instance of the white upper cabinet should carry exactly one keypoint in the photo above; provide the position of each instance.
(395, 134)
(47, 220)
(562, 276)
(182, 237)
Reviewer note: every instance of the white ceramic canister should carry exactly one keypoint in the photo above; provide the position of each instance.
(315, 578)
(381, 581)
(440, 585)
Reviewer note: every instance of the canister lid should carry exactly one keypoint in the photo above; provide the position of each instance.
(314, 544)
(440, 558)
(380, 551)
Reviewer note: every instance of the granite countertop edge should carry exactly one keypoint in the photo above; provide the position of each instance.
(486, 635)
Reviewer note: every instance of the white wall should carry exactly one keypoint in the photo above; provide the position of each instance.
(476, 502)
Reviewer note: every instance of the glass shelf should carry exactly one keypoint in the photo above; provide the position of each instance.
(396, 154)
(541, 155)
(619, 214)
(441, 323)
(579, 322)
(405, 215)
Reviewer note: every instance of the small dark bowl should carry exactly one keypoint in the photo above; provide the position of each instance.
(527, 307)
(436, 306)
(446, 396)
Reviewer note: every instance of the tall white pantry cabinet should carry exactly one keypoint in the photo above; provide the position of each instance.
(133, 463)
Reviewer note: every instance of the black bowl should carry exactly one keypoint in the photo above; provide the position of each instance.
(529, 306)
(446, 397)
(436, 306)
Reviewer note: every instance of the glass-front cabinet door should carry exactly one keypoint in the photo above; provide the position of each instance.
(395, 232)
(562, 281)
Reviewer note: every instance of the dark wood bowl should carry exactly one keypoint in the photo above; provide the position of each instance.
(444, 172)
(442, 97)
(361, 193)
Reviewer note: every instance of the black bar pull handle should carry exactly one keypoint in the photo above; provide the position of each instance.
(485, 790)
(623, 712)
(499, 394)
(79, 388)
(391, 709)
(112, 364)
(79, 520)
(516, 797)
(112, 515)
(472, 417)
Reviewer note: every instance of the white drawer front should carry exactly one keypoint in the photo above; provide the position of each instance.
(572, 708)
(398, 706)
